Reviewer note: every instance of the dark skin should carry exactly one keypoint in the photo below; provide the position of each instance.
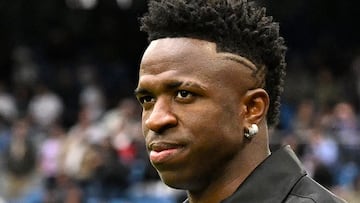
(197, 103)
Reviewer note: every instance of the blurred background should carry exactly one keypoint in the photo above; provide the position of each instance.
(70, 126)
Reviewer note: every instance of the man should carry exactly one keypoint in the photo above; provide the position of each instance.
(210, 84)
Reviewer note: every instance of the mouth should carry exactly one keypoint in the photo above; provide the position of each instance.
(160, 152)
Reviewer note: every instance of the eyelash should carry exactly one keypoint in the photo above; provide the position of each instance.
(143, 99)
(180, 94)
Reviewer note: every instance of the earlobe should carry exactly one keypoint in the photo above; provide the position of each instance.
(256, 102)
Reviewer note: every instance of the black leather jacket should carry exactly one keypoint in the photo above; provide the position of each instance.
(281, 179)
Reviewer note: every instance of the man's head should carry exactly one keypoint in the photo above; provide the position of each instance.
(236, 26)
(201, 84)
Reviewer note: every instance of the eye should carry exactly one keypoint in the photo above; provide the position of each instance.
(184, 95)
(146, 99)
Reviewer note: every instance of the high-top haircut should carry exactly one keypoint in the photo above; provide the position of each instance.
(236, 26)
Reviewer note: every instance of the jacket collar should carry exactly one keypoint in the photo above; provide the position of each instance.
(272, 180)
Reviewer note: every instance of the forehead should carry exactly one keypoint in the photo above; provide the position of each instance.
(177, 50)
(193, 58)
(181, 45)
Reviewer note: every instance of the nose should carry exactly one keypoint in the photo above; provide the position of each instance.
(161, 117)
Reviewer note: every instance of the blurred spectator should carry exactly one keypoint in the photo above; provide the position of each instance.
(322, 154)
(20, 158)
(65, 190)
(50, 151)
(45, 107)
(346, 128)
(77, 146)
(79, 159)
(110, 179)
(91, 94)
(124, 127)
(92, 97)
(304, 117)
(5, 137)
(8, 106)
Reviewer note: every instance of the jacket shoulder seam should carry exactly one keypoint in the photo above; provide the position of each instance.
(305, 197)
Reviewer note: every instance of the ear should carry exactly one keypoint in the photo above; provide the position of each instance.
(256, 103)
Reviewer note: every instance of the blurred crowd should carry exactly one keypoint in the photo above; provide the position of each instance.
(66, 143)
(70, 127)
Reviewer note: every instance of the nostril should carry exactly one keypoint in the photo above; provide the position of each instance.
(159, 122)
(161, 115)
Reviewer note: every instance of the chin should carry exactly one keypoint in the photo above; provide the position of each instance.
(177, 180)
(173, 180)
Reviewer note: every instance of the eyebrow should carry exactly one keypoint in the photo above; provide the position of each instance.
(141, 91)
(169, 86)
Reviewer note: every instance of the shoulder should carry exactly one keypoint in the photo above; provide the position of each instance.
(307, 190)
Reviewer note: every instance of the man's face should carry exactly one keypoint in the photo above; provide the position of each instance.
(192, 110)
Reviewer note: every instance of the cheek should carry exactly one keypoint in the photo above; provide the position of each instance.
(215, 145)
(143, 126)
(217, 127)
(144, 129)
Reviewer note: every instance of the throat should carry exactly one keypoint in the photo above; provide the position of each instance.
(216, 191)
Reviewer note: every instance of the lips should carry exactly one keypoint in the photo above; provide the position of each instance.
(161, 152)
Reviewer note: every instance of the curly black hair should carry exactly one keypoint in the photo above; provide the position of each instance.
(236, 26)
